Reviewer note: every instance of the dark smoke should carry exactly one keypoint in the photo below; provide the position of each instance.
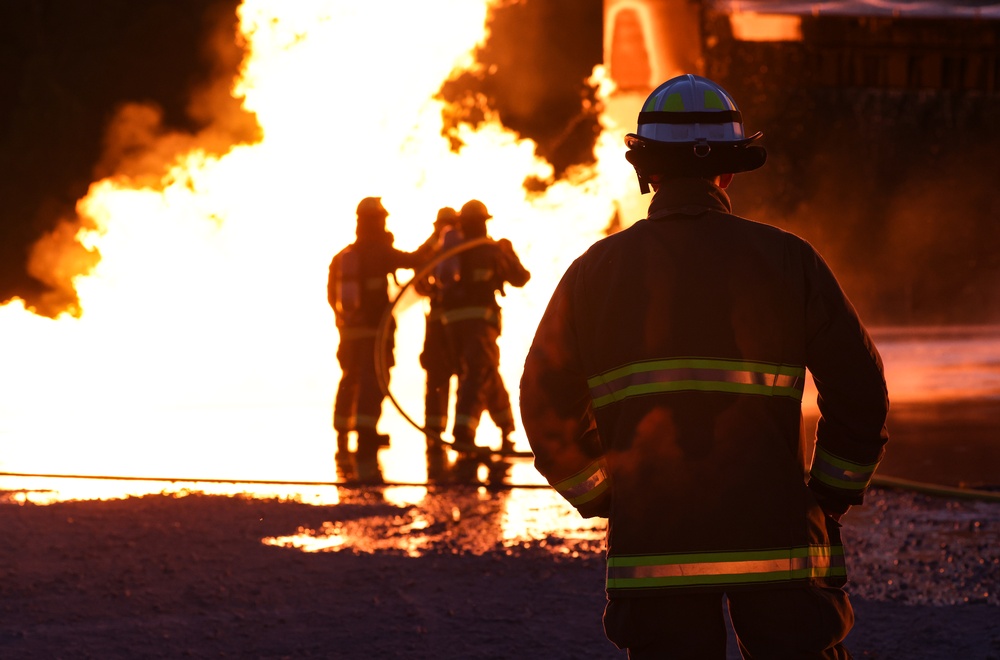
(533, 73)
(88, 88)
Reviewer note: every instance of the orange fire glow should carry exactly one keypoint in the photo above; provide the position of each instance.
(206, 347)
(751, 26)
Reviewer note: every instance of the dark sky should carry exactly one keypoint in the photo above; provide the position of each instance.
(68, 66)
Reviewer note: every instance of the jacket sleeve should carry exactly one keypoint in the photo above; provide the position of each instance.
(510, 266)
(556, 411)
(852, 394)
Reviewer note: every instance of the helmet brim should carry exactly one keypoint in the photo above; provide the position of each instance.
(694, 159)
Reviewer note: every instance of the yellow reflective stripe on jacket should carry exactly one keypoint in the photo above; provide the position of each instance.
(357, 333)
(839, 473)
(725, 568)
(701, 374)
(584, 486)
(482, 274)
(366, 422)
(470, 313)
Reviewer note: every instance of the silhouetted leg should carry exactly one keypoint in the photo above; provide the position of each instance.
(370, 398)
(682, 626)
(346, 405)
(810, 622)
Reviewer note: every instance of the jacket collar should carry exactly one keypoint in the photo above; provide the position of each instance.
(688, 197)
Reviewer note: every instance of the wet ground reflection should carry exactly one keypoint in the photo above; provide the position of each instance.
(461, 519)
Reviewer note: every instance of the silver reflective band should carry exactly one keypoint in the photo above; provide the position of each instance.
(840, 473)
(585, 485)
(697, 374)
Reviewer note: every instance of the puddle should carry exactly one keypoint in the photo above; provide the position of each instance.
(416, 521)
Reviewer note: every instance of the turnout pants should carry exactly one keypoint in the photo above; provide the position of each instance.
(808, 622)
(480, 386)
(358, 404)
(438, 363)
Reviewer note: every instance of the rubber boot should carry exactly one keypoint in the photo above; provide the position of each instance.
(506, 444)
(465, 442)
(437, 459)
(369, 470)
(346, 467)
(466, 467)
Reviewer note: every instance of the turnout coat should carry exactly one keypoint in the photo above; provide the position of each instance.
(663, 390)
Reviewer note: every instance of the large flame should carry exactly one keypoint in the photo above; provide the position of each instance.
(205, 347)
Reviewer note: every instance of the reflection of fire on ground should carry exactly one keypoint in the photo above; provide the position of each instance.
(417, 521)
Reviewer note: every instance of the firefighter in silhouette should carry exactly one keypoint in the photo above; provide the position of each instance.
(663, 391)
(357, 290)
(471, 317)
(436, 358)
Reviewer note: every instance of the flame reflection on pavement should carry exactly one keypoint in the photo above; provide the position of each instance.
(419, 520)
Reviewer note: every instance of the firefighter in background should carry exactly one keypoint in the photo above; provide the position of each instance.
(436, 357)
(357, 289)
(663, 390)
(471, 317)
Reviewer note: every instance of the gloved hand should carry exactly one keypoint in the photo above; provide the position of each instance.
(831, 507)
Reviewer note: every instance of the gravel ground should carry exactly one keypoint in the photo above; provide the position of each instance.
(166, 576)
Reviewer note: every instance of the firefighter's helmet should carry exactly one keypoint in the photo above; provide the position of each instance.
(370, 207)
(473, 209)
(446, 215)
(690, 126)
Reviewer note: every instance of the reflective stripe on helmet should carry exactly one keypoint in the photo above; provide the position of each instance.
(841, 474)
(584, 486)
(725, 568)
(696, 374)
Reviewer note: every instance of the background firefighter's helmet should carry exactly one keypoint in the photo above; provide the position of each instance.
(472, 219)
(371, 207)
(474, 209)
(371, 218)
(445, 216)
(690, 126)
